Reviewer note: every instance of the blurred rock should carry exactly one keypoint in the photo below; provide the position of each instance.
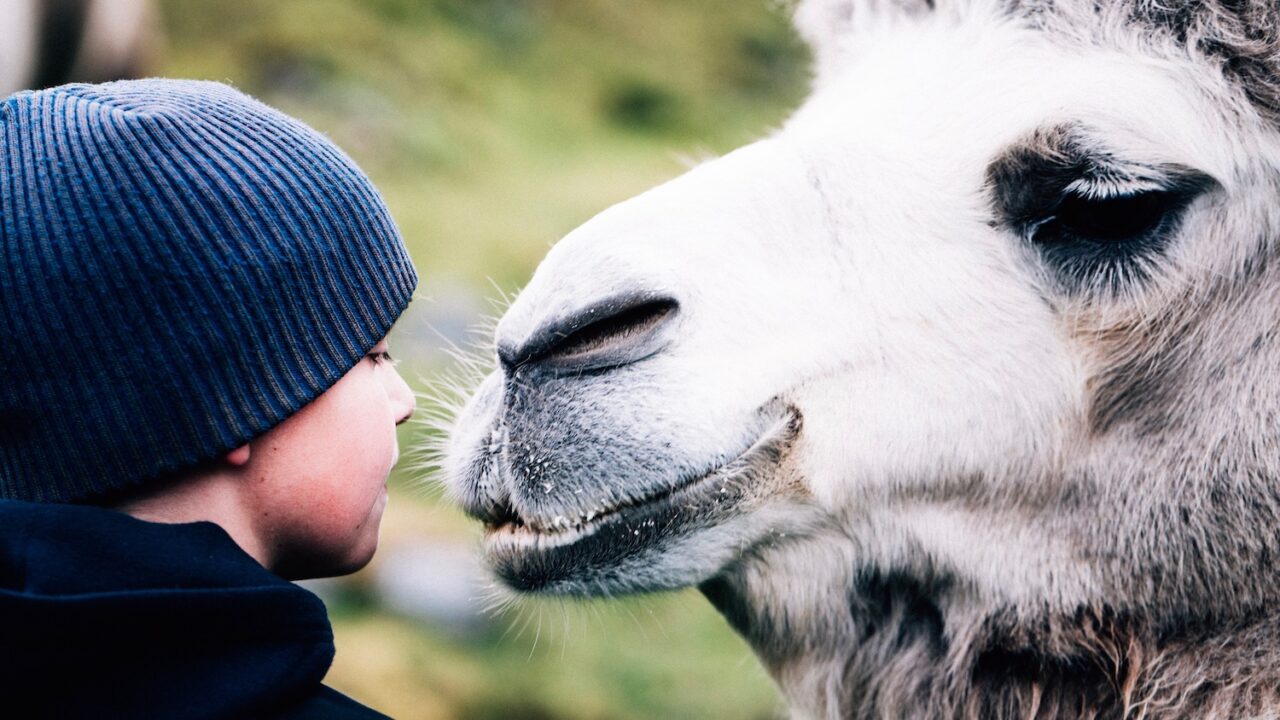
(447, 315)
(330, 590)
(438, 582)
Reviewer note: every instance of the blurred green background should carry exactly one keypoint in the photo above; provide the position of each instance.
(493, 127)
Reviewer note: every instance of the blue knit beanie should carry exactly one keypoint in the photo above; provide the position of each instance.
(181, 268)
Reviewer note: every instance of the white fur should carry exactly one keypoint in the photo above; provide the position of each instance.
(849, 265)
(846, 263)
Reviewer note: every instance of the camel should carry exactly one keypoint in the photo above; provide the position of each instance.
(956, 394)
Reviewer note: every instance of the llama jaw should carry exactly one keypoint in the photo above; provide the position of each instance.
(557, 555)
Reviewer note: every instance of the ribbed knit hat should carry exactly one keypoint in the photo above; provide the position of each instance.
(181, 268)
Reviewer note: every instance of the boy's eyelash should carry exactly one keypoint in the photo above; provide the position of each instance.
(381, 357)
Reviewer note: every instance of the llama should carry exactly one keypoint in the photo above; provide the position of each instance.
(956, 394)
(51, 42)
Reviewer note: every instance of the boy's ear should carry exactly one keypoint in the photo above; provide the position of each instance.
(239, 456)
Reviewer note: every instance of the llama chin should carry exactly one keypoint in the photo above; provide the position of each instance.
(955, 394)
(674, 537)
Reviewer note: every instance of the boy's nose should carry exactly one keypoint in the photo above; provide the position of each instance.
(402, 398)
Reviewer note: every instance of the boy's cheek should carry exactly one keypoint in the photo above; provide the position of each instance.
(328, 535)
(323, 476)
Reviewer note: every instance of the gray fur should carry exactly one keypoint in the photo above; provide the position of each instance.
(1186, 416)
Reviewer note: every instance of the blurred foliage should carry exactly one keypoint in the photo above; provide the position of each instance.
(493, 127)
(631, 659)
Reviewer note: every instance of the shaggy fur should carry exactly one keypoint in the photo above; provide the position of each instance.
(1026, 472)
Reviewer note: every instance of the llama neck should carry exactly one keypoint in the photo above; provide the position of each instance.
(871, 645)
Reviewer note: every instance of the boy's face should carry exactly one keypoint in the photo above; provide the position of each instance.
(319, 478)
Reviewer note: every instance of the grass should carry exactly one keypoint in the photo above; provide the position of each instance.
(493, 127)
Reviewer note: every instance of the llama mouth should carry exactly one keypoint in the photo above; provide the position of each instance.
(533, 556)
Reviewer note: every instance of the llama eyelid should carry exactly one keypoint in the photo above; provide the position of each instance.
(1031, 177)
(1174, 180)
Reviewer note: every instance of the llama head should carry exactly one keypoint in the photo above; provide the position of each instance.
(996, 306)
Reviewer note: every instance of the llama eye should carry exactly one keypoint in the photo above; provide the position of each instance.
(1107, 221)
(1107, 242)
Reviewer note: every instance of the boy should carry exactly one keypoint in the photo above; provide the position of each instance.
(195, 400)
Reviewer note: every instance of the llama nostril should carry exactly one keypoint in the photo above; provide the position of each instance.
(616, 332)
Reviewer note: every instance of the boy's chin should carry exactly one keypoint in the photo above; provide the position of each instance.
(317, 567)
(314, 565)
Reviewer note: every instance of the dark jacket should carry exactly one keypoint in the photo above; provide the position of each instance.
(105, 616)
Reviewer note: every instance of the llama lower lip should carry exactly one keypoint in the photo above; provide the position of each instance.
(531, 559)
